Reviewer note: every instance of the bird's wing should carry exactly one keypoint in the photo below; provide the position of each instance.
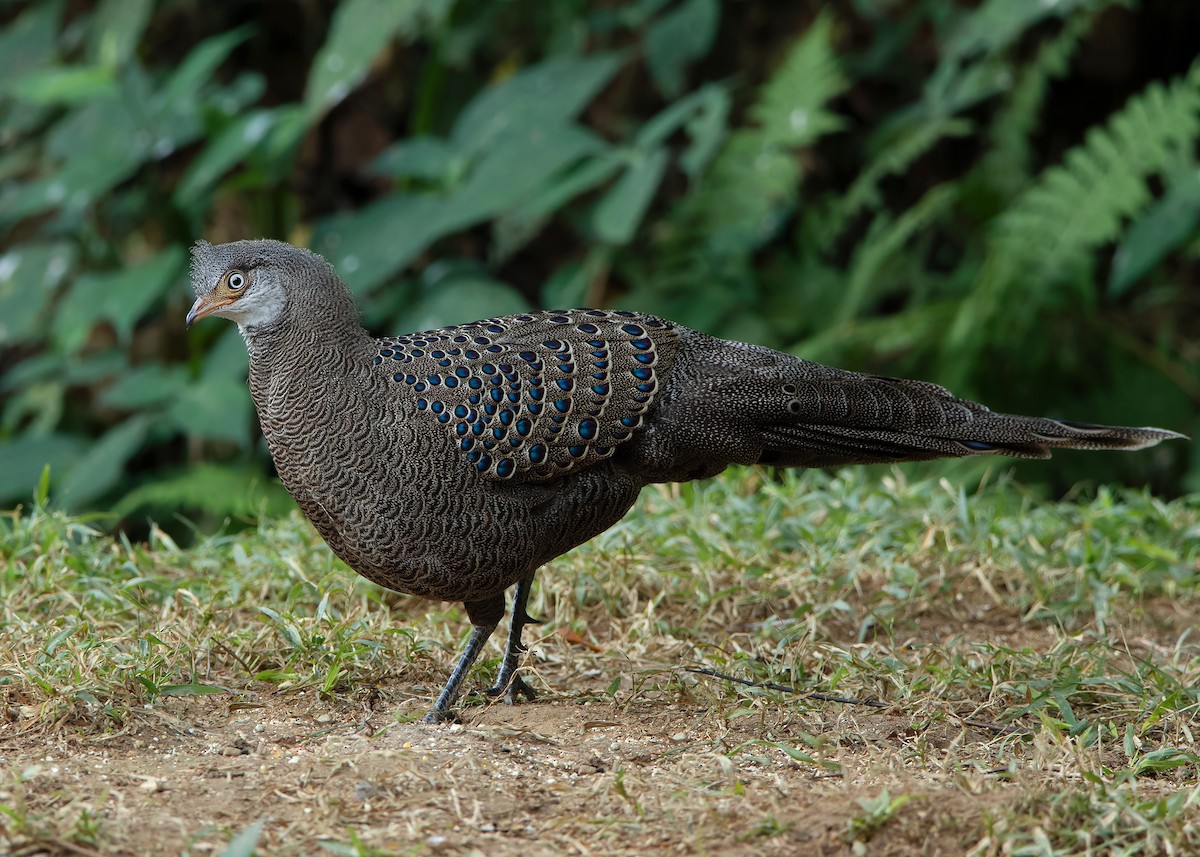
(535, 395)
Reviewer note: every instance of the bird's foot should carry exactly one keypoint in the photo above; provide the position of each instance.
(512, 690)
(442, 715)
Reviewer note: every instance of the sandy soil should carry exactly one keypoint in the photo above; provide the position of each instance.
(556, 776)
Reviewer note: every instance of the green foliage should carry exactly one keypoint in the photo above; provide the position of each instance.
(745, 197)
(913, 191)
(1050, 232)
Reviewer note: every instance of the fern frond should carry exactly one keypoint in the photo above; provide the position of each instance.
(756, 174)
(791, 109)
(1007, 164)
(886, 238)
(1046, 240)
(753, 182)
(998, 24)
(863, 195)
(1052, 229)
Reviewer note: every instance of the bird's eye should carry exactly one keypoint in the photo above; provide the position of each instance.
(236, 281)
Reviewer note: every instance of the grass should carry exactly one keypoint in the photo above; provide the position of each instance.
(1022, 677)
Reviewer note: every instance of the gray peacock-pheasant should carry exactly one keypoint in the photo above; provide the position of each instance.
(452, 464)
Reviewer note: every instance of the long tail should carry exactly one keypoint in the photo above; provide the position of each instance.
(846, 418)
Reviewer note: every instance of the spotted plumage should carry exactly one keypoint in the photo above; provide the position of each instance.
(453, 463)
(536, 395)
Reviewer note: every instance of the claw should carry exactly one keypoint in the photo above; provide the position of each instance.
(515, 688)
(445, 715)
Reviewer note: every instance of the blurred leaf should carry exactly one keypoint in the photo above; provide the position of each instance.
(675, 115)
(707, 130)
(570, 284)
(369, 245)
(245, 842)
(359, 31)
(746, 195)
(513, 170)
(682, 36)
(426, 158)
(748, 187)
(884, 240)
(222, 153)
(218, 409)
(120, 297)
(521, 223)
(226, 359)
(192, 689)
(99, 367)
(461, 299)
(999, 23)
(219, 490)
(98, 144)
(910, 143)
(144, 386)
(70, 85)
(1165, 225)
(22, 460)
(953, 89)
(29, 41)
(102, 465)
(289, 129)
(201, 63)
(115, 30)
(29, 275)
(36, 407)
(620, 212)
(20, 159)
(1050, 233)
(544, 95)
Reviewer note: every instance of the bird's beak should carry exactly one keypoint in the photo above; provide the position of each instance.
(205, 305)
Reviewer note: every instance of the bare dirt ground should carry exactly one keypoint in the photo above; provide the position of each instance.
(547, 778)
(625, 752)
(582, 774)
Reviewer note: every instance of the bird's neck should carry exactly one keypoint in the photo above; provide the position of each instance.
(298, 336)
(301, 366)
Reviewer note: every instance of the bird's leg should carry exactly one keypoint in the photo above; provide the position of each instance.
(509, 683)
(441, 711)
(484, 615)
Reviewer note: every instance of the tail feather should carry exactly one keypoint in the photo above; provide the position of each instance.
(860, 419)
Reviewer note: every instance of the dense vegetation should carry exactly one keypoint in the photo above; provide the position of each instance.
(1003, 196)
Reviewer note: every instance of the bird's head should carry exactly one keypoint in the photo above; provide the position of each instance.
(242, 281)
(263, 284)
